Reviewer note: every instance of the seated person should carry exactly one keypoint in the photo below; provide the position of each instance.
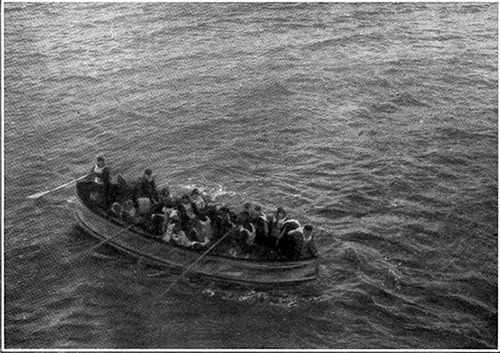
(121, 191)
(159, 220)
(197, 200)
(261, 223)
(203, 230)
(309, 249)
(288, 225)
(117, 209)
(166, 198)
(186, 210)
(251, 208)
(145, 187)
(276, 223)
(129, 212)
(173, 231)
(245, 231)
(223, 222)
(298, 243)
(248, 234)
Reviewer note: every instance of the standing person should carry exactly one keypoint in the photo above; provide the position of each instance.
(100, 175)
(145, 187)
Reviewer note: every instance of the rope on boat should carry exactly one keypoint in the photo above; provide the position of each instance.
(105, 241)
(194, 263)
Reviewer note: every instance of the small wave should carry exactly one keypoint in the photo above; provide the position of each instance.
(74, 79)
(212, 191)
(406, 99)
(325, 43)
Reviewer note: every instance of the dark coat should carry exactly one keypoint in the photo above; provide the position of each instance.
(145, 188)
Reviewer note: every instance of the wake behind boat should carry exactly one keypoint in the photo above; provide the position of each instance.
(226, 251)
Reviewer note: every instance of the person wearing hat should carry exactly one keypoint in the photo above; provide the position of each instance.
(100, 175)
(146, 187)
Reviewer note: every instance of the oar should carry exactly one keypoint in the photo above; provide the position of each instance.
(42, 193)
(104, 241)
(194, 263)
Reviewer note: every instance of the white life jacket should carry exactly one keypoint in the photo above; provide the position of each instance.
(189, 210)
(199, 202)
(277, 225)
(181, 239)
(263, 216)
(206, 228)
(282, 229)
(98, 177)
(250, 234)
(289, 221)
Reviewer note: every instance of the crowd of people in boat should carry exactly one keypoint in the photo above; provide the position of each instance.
(196, 221)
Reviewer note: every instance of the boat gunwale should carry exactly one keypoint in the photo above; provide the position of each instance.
(224, 279)
(250, 263)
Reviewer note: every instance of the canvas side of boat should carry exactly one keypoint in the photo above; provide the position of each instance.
(138, 243)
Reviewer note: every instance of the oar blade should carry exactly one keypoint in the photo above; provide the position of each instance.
(42, 193)
(38, 194)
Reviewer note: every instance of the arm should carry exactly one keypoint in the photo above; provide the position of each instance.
(106, 176)
(155, 194)
(280, 236)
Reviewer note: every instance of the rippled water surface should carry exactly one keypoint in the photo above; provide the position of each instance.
(377, 123)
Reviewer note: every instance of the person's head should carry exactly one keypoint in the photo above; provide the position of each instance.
(195, 192)
(308, 230)
(100, 161)
(244, 216)
(280, 213)
(148, 174)
(185, 199)
(165, 192)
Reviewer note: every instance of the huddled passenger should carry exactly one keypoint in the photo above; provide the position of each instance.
(249, 235)
(204, 229)
(197, 200)
(117, 209)
(145, 187)
(288, 225)
(276, 223)
(250, 208)
(261, 226)
(298, 243)
(129, 212)
(166, 198)
(223, 222)
(174, 232)
(178, 220)
(159, 220)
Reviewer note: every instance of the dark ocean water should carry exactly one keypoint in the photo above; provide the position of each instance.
(377, 123)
